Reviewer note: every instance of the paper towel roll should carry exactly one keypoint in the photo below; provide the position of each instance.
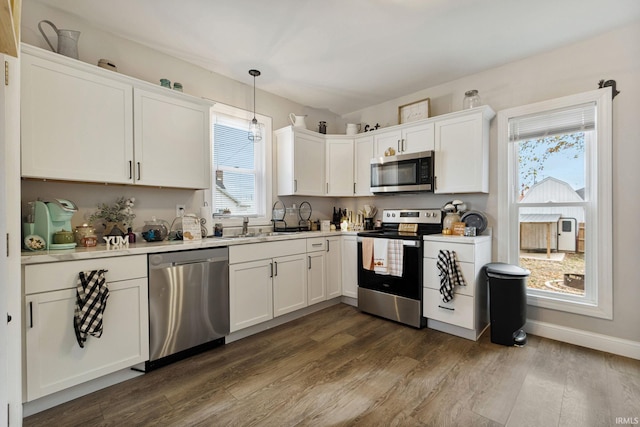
(205, 214)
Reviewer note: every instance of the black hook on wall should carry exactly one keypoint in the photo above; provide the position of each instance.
(611, 83)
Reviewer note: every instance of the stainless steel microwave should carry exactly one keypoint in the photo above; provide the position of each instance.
(403, 173)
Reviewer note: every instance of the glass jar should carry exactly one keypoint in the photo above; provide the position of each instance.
(155, 230)
(471, 99)
(449, 219)
(85, 236)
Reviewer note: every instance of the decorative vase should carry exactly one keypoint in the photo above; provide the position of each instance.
(449, 219)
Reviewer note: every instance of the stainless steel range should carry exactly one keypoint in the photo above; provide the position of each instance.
(397, 298)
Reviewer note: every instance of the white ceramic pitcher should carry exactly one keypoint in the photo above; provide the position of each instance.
(297, 121)
(67, 40)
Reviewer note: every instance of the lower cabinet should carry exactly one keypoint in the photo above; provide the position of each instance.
(467, 314)
(289, 284)
(334, 266)
(54, 360)
(350, 266)
(250, 293)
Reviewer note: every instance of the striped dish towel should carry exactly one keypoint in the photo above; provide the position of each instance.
(91, 300)
(450, 274)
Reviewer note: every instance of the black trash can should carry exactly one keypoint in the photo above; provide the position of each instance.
(507, 302)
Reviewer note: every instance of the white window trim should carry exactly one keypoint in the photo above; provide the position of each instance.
(598, 239)
(266, 197)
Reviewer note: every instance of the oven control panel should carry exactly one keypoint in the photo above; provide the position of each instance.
(412, 216)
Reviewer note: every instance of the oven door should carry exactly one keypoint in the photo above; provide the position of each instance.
(408, 286)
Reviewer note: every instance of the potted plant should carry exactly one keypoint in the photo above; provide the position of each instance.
(116, 217)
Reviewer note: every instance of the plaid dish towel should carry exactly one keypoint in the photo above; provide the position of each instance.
(450, 274)
(91, 300)
(395, 257)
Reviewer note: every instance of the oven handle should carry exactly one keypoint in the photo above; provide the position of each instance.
(414, 243)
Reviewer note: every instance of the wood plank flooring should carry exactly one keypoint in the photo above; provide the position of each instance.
(342, 367)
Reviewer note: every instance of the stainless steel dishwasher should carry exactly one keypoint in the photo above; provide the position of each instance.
(188, 303)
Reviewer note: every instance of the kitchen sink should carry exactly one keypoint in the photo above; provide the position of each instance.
(268, 234)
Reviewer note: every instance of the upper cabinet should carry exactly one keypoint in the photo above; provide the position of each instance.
(363, 152)
(405, 139)
(301, 162)
(83, 123)
(339, 166)
(462, 151)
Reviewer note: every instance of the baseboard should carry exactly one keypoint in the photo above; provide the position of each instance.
(619, 346)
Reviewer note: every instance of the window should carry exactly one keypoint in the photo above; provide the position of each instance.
(241, 169)
(555, 200)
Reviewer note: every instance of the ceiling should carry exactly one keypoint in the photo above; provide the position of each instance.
(345, 55)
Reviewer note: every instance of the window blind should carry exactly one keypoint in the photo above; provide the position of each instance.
(577, 118)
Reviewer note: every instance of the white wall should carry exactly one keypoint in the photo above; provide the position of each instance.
(565, 71)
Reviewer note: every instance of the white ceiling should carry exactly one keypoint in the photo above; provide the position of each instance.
(345, 55)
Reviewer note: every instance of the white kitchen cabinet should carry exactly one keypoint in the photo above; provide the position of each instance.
(289, 284)
(54, 360)
(75, 124)
(339, 166)
(171, 141)
(462, 151)
(300, 160)
(316, 270)
(467, 314)
(350, 266)
(334, 266)
(405, 139)
(363, 153)
(80, 122)
(266, 280)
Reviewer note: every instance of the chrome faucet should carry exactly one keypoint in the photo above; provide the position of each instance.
(245, 225)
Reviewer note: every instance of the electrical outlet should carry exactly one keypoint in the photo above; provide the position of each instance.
(180, 210)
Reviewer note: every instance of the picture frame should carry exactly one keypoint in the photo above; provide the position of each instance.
(417, 110)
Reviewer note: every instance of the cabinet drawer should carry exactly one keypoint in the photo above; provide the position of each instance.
(457, 312)
(64, 275)
(464, 252)
(256, 251)
(432, 277)
(316, 244)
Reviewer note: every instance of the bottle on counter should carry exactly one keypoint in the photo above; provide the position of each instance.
(131, 235)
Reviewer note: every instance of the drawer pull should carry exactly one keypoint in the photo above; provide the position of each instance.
(446, 308)
(315, 245)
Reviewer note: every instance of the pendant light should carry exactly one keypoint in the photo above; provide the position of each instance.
(255, 128)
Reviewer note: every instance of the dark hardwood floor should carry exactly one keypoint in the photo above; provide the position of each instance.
(341, 367)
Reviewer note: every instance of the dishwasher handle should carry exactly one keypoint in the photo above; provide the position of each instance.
(200, 261)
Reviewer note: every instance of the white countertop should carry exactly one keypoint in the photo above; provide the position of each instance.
(100, 251)
(456, 238)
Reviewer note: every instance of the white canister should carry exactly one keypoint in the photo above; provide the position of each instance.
(352, 128)
(297, 121)
(325, 225)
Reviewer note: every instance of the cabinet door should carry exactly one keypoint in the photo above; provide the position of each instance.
(316, 278)
(334, 267)
(250, 294)
(461, 157)
(75, 125)
(172, 145)
(309, 165)
(419, 137)
(362, 165)
(54, 359)
(350, 266)
(339, 168)
(385, 140)
(289, 284)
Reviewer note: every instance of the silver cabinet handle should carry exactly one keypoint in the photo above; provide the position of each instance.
(327, 188)
(308, 263)
(130, 169)
(354, 188)
(403, 146)
(275, 268)
(138, 171)
(399, 148)
(327, 245)
(295, 185)
(31, 314)
(270, 269)
(446, 308)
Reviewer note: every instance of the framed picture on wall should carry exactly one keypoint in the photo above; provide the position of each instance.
(414, 111)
